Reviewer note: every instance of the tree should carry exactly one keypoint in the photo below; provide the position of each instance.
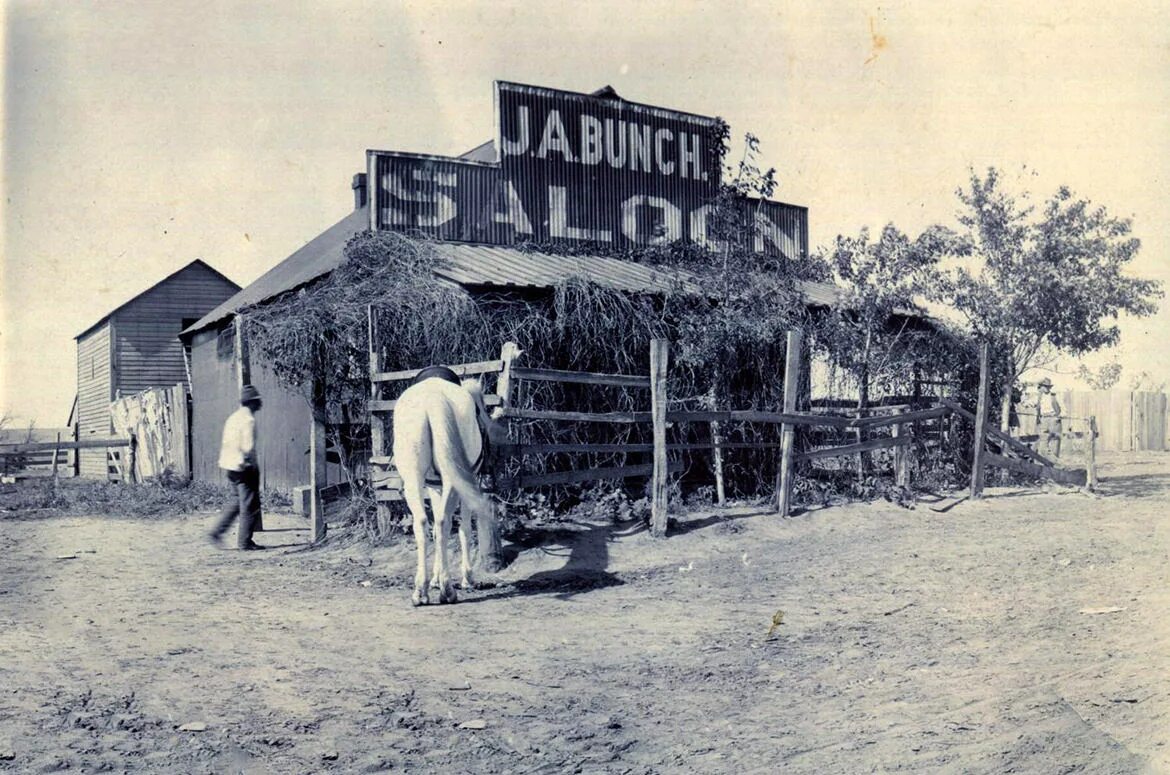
(1037, 284)
(882, 282)
(1103, 378)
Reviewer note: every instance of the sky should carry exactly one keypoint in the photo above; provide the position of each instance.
(139, 136)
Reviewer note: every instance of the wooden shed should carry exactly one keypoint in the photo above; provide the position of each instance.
(136, 346)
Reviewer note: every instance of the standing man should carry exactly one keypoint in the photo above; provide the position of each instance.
(1048, 420)
(238, 458)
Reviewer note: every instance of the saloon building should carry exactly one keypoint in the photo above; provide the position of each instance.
(563, 167)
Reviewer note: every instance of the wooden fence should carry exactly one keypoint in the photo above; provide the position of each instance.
(909, 429)
(157, 423)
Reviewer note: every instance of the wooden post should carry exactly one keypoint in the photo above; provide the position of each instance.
(717, 452)
(181, 438)
(243, 358)
(378, 446)
(508, 355)
(317, 463)
(659, 359)
(56, 451)
(788, 431)
(901, 464)
(1092, 466)
(980, 443)
(487, 528)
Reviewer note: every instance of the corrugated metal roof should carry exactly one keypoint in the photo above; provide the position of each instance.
(319, 256)
(470, 264)
(509, 267)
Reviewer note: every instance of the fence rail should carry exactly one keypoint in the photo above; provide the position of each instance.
(912, 427)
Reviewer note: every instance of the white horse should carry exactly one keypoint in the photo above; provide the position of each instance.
(439, 433)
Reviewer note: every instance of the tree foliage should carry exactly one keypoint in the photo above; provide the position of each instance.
(1035, 283)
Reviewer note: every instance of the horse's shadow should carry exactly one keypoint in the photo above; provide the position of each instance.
(585, 547)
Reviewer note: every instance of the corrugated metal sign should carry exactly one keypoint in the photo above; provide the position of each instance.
(574, 167)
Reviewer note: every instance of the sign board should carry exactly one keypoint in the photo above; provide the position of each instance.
(573, 167)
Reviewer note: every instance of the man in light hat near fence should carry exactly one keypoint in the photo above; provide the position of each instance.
(238, 458)
(1048, 424)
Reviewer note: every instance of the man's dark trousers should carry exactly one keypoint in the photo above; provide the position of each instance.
(245, 503)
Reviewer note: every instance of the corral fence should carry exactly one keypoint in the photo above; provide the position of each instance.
(907, 430)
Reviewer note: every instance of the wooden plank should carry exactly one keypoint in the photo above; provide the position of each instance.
(387, 496)
(884, 442)
(659, 360)
(1073, 476)
(516, 450)
(385, 405)
(581, 377)
(995, 433)
(461, 369)
(540, 414)
(586, 475)
(980, 437)
(48, 446)
(752, 415)
(898, 419)
(788, 430)
(379, 432)
(1092, 466)
(317, 465)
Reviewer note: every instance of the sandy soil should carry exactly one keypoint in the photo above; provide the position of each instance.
(975, 639)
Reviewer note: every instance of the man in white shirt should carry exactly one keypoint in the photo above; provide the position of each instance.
(238, 459)
(1048, 423)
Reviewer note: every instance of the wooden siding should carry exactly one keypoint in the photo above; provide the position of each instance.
(149, 353)
(94, 392)
(283, 425)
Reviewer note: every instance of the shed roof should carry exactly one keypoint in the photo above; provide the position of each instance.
(471, 264)
(172, 275)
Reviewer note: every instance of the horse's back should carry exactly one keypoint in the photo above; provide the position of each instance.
(419, 402)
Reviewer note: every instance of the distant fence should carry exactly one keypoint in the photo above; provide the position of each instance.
(1127, 420)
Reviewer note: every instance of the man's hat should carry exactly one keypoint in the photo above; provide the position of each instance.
(1046, 382)
(249, 393)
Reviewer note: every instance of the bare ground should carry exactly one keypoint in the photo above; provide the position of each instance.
(974, 639)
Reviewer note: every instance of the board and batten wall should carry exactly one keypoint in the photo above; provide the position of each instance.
(137, 347)
(95, 357)
(282, 426)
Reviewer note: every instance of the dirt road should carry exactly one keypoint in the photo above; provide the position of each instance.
(1025, 633)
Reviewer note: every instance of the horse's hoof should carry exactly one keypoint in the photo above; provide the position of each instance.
(467, 583)
(448, 596)
(416, 600)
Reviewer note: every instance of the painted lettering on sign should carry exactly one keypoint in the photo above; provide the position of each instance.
(574, 168)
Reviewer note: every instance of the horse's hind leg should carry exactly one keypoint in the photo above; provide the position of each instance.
(466, 582)
(418, 510)
(444, 509)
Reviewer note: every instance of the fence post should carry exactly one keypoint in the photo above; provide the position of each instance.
(508, 355)
(977, 461)
(901, 463)
(317, 463)
(377, 421)
(659, 359)
(487, 527)
(788, 431)
(717, 451)
(56, 451)
(1092, 472)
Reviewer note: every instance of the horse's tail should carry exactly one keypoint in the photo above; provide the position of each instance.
(451, 458)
